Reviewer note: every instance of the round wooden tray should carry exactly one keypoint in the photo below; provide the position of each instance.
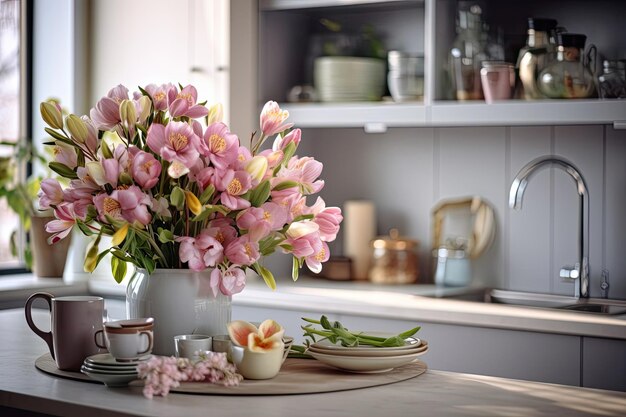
(297, 376)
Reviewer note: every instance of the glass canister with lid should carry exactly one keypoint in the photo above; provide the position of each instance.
(534, 57)
(394, 260)
(571, 75)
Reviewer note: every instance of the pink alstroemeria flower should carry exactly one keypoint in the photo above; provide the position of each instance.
(106, 114)
(303, 236)
(220, 145)
(50, 194)
(280, 143)
(223, 230)
(272, 119)
(158, 93)
(62, 225)
(130, 205)
(174, 142)
(242, 251)
(321, 254)
(270, 216)
(146, 170)
(184, 103)
(201, 252)
(327, 218)
(65, 154)
(305, 171)
(234, 184)
(228, 282)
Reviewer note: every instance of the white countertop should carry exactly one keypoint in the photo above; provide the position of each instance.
(394, 302)
(433, 394)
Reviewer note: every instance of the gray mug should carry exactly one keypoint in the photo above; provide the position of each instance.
(73, 322)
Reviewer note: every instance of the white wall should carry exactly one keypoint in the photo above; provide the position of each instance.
(140, 42)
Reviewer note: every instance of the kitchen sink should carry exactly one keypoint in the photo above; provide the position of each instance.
(528, 299)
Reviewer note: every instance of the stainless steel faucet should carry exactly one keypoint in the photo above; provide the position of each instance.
(581, 270)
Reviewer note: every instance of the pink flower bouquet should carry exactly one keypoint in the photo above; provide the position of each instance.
(165, 177)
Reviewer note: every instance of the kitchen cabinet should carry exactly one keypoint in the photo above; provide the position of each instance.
(528, 355)
(428, 27)
(604, 363)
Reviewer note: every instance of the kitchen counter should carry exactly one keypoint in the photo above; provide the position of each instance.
(433, 394)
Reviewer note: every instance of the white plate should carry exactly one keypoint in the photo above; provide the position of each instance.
(107, 359)
(97, 368)
(99, 371)
(368, 364)
(127, 368)
(411, 343)
(111, 380)
(369, 353)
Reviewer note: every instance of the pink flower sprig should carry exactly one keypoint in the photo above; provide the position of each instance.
(162, 373)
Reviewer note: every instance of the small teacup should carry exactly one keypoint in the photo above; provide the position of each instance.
(125, 343)
(188, 344)
(222, 343)
(258, 365)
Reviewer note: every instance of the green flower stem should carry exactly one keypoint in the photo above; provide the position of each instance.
(363, 339)
(148, 237)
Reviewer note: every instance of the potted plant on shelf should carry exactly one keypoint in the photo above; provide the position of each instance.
(44, 260)
(185, 203)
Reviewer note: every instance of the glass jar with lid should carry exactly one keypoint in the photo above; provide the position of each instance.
(534, 57)
(571, 75)
(612, 82)
(394, 260)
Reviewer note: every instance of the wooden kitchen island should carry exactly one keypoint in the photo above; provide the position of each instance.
(24, 391)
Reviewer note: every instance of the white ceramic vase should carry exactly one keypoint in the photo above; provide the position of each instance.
(180, 301)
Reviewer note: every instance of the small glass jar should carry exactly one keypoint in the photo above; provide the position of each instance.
(571, 75)
(612, 82)
(394, 260)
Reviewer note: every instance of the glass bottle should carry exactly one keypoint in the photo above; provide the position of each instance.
(534, 57)
(467, 54)
(612, 82)
(570, 75)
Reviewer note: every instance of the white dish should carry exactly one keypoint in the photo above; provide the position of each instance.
(107, 359)
(111, 380)
(369, 353)
(411, 343)
(109, 371)
(367, 364)
(127, 368)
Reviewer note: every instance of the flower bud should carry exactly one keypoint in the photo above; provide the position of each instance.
(257, 167)
(96, 172)
(193, 203)
(145, 107)
(126, 179)
(77, 128)
(91, 258)
(51, 114)
(216, 114)
(128, 114)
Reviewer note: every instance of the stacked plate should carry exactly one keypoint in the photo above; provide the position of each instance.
(342, 78)
(368, 359)
(105, 368)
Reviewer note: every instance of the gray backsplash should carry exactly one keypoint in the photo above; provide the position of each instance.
(407, 170)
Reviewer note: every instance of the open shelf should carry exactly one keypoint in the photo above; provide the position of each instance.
(379, 115)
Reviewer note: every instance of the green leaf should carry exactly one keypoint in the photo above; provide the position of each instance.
(206, 212)
(265, 273)
(260, 194)
(288, 153)
(207, 194)
(118, 267)
(165, 235)
(58, 136)
(394, 341)
(325, 323)
(84, 228)
(177, 198)
(144, 92)
(409, 333)
(286, 184)
(295, 268)
(303, 217)
(63, 170)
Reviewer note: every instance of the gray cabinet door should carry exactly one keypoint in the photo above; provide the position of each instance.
(604, 363)
(498, 352)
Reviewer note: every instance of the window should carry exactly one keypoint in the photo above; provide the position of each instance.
(13, 102)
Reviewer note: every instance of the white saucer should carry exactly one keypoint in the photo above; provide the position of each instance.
(107, 372)
(108, 360)
(110, 380)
